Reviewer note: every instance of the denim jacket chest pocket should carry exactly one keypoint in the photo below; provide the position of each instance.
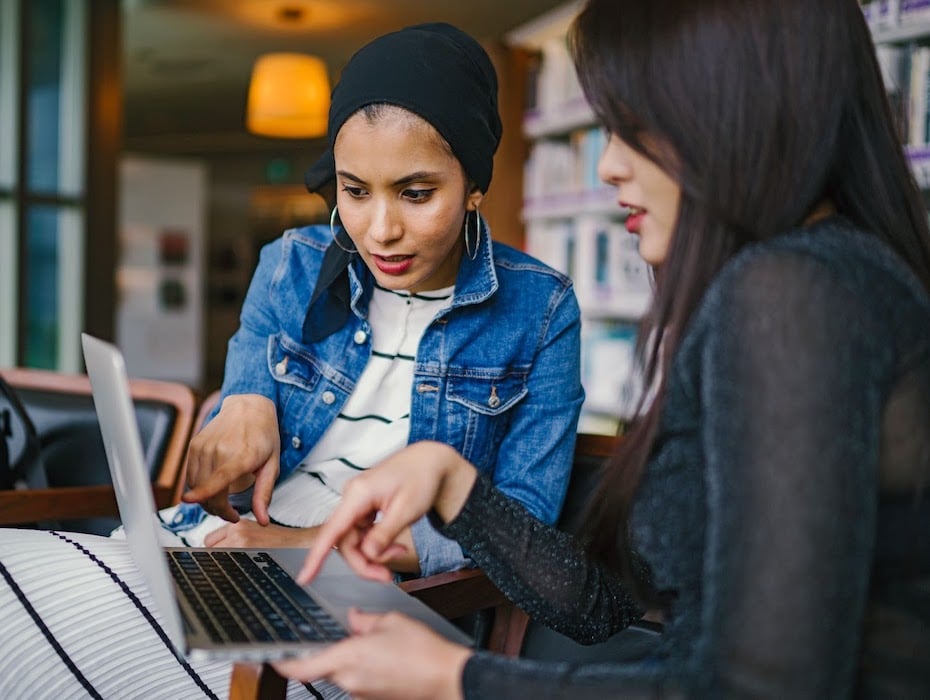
(480, 406)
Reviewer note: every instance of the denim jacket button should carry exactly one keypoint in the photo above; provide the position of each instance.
(280, 368)
(328, 397)
(360, 337)
(295, 442)
(493, 401)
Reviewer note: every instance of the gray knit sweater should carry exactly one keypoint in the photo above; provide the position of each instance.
(778, 508)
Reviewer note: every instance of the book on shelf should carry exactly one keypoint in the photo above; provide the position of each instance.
(893, 61)
(917, 96)
(889, 14)
(549, 169)
(611, 385)
(531, 92)
(880, 13)
(900, 28)
(906, 74)
(556, 80)
(911, 11)
(552, 241)
(568, 165)
(611, 279)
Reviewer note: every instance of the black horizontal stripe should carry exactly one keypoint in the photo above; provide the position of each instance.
(388, 356)
(387, 421)
(40, 623)
(280, 524)
(350, 464)
(407, 295)
(370, 416)
(424, 297)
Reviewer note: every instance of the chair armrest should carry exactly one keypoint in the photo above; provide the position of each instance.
(66, 503)
(455, 593)
(34, 505)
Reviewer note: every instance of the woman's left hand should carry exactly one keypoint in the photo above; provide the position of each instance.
(388, 656)
(248, 533)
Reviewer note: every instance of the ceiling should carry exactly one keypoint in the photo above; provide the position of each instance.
(187, 62)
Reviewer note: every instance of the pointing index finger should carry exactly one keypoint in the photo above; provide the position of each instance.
(342, 521)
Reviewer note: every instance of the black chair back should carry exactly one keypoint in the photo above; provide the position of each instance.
(72, 446)
(20, 455)
(634, 642)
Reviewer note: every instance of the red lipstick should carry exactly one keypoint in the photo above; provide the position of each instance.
(394, 265)
(635, 218)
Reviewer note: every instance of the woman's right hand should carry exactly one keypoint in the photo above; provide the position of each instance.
(387, 656)
(401, 488)
(238, 448)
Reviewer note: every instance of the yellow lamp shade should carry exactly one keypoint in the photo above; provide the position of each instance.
(288, 96)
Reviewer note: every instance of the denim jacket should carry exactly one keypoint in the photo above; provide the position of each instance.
(496, 374)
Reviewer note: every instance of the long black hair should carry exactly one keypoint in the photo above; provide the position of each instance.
(763, 109)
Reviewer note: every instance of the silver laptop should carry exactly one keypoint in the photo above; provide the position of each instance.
(255, 611)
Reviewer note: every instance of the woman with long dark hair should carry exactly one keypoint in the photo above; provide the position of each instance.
(770, 499)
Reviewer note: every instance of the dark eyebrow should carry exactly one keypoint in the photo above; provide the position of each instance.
(413, 177)
(406, 180)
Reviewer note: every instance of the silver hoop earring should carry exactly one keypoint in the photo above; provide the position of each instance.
(472, 254)
(332, 230)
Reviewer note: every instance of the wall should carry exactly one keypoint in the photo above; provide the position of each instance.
(252, 199)
(159, 307)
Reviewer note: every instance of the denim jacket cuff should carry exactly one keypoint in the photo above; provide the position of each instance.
(436, 553)
(242, 500)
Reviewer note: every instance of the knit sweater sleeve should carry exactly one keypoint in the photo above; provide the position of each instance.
(545, 572)
(541, 569)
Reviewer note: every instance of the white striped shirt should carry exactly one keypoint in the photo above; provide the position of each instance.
(375, 421)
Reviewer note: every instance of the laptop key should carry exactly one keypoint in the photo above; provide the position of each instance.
(241, 598)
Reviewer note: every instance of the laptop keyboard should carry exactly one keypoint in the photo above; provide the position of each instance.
(247, 597)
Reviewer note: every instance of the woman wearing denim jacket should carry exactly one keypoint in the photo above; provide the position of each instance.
(495, 371)
(413, 312)
(491, 374)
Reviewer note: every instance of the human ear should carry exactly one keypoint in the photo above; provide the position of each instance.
(473, 199)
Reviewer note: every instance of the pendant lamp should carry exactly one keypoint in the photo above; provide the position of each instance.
(288, 96)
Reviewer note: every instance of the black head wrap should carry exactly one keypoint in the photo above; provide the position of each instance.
(435, 71)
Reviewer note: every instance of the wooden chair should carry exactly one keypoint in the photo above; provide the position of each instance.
(458, 593)
(80, 496)
(533, 640)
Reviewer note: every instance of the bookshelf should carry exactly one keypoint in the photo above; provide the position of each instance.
(901, 32)
(573, 223)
